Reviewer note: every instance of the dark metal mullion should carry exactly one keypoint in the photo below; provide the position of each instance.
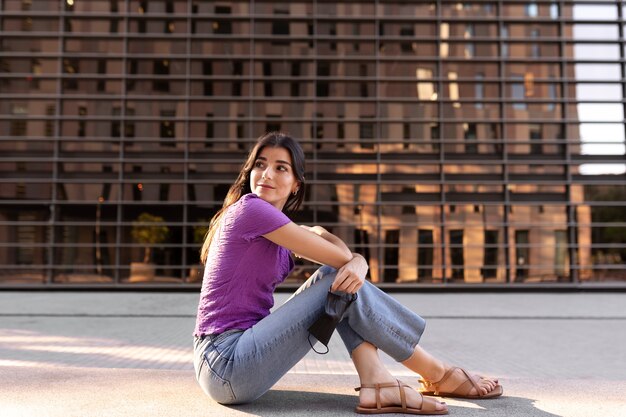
(570, 207)
(314, 141)
(379, 211)
(186, 130)
(122, 146)
(251, 76)
(269, 17)
(55, 159)
(504, 151)
(622, 45)
(442, 160)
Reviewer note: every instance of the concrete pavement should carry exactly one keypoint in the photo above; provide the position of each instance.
(129, 354)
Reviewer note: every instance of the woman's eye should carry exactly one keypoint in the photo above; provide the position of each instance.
(282, 168)
(258, 164)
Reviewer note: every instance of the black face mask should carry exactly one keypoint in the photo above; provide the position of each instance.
(334, 309)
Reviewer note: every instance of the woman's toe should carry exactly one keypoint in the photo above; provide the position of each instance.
(441, 406)
(487, 387)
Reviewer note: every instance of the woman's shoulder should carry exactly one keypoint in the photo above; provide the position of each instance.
(255, 216)
(250, 205)
(244, 200)
(253, 201)
(250, 197)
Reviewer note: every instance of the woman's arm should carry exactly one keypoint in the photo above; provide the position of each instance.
(351, 268)
(325, 234)
(310, 245)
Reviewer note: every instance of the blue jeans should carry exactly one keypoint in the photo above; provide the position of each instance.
(238, 366)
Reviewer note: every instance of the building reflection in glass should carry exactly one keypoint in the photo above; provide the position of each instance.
(448, 142)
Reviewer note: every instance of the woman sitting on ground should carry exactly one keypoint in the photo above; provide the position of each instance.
(247, 252)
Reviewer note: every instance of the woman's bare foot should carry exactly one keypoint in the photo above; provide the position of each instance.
(458, 382)
(390, 396)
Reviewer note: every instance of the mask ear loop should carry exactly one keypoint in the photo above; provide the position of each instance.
(313, 347)
(352, 298)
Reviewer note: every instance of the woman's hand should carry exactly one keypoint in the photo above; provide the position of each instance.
(351, 276)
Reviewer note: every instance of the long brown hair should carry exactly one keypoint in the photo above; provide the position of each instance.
(242, 184)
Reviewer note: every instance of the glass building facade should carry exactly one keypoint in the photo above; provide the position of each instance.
(450, 143)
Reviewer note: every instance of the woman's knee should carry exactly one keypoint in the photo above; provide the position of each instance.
(321, 273)
(325, 271)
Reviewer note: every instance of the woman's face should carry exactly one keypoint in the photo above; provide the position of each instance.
(272, 177)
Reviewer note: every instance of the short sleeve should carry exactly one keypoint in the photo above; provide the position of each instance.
(258, 217)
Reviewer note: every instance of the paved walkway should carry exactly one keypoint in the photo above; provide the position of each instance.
(129, 354)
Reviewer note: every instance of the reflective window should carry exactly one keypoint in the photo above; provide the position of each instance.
(447, 142)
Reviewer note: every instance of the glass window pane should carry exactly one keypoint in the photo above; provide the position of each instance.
(595, 12)
(607, 32)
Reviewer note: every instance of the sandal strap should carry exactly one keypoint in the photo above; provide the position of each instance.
(434, 386)
(402, 395)
(472, 381)
(461, 389)
(429, 404)
(446, 375)
(398, 384)
(378, 386)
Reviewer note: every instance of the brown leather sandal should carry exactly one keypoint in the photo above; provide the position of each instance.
(428, 404)
(463, 389)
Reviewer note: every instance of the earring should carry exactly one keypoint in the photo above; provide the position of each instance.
(294, 193)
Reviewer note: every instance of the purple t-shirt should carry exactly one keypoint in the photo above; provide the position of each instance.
(242, 268)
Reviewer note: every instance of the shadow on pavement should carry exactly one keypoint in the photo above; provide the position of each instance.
(296, 403)
(503, 406)
(290, 403)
